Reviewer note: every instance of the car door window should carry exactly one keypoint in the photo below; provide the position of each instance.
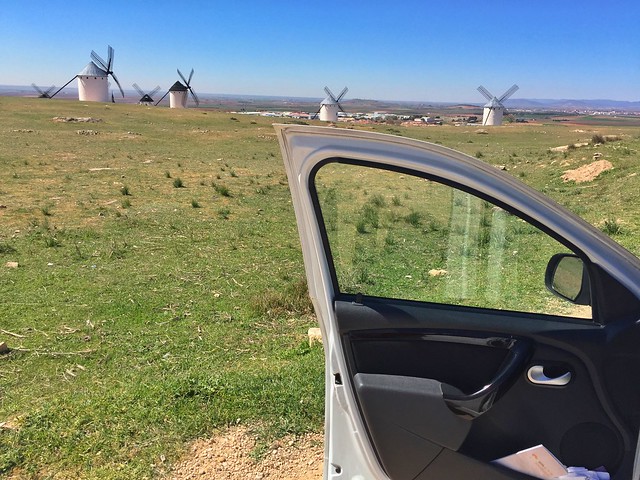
(395, 235)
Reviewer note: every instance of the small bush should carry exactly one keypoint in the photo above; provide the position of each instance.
(195, 204)
(167, 174)
(413, 219)
(378, 201)
(126, 203)
(46, 210)
(221, 189)
(611, 226)
(124, 190)
(479, 154)
(178, 183)
(6, 249)
(597, 138)
(293, 299)
(51, 242)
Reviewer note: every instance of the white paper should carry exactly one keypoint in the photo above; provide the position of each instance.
(535, 461)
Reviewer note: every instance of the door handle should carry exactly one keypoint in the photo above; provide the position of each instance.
(536, 375)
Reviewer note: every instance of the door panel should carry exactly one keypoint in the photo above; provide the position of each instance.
(399, 376)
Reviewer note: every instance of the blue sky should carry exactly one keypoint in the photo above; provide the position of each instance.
(404, 50)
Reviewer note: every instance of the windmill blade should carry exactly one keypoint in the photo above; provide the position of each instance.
(48, 91)
(342, 93)
(154, 91)
(195, 97)
(139, 90)
(101, 63)
(162, 97)
(37, 89)
(110, 60)
(315, 115)
(330, 93)
(114, 77)
(74, 77)
(508, 93)
(182, 76)
(190, 77)
(485, 92)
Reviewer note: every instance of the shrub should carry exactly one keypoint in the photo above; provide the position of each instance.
(611, 226)
(224, 213)
(221, 189)
(178, 183)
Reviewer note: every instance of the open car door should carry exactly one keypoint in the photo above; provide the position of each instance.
(465, 316)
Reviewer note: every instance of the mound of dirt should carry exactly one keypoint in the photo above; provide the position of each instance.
(228, 456)
(587, 173)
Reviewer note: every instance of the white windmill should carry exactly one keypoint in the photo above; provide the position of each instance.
(329, 106)
(179, 93)
(93, 80)
(494, 110)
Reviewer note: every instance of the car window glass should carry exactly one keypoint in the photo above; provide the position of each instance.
(398, 236)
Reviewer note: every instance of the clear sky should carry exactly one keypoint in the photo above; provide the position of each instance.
(420, 50)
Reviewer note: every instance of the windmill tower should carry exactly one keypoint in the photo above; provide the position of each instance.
(329, 106)
(43, 93)
(146, 98)
(93, 80)
(494, 110)
(178, 93)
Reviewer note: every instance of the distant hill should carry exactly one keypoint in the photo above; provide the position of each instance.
(569, 104)
(359, 104)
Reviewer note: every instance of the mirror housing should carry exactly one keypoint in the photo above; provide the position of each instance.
(567, 278)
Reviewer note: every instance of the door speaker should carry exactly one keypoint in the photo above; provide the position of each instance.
(591, 445)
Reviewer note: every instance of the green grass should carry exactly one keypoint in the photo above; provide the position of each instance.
(142, 322)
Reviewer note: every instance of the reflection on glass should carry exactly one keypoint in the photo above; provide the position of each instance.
(398, 236)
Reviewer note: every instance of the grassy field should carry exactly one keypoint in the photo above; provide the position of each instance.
(160, 294)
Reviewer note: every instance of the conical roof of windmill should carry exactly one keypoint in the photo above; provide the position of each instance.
(92, 70)
(328, 101)
(178, 87)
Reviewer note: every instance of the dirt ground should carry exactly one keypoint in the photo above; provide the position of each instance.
(587, 173)
(228, 456)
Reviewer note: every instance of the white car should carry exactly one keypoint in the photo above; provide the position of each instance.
(465, 316)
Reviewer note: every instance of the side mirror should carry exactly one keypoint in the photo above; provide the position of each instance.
(567, 278)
